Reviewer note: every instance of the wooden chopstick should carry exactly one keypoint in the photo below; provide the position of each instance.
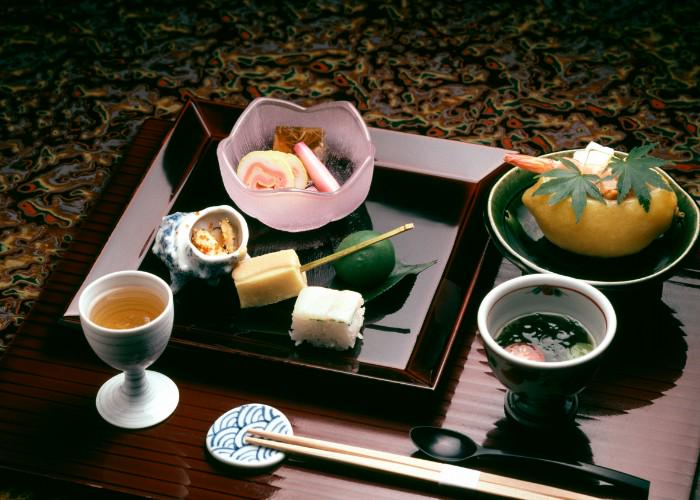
(393, 467)
(426, 470)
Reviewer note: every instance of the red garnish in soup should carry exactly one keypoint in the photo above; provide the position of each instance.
(525, 351)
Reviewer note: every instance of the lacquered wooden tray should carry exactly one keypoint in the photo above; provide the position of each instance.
(408, 331)
(640, 415)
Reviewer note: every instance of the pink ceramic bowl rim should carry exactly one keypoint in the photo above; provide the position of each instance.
(599, 300)
(262, 101)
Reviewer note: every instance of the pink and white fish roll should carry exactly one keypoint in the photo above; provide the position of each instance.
(319, 173)
(272, 170)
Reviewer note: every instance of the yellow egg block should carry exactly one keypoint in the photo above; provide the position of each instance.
(605, 229)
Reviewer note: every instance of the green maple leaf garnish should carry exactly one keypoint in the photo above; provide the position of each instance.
(570, 182)
(635, 173)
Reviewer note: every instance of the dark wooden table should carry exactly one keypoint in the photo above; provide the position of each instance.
(640, 415)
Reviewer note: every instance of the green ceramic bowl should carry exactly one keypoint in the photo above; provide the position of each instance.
(517, 235)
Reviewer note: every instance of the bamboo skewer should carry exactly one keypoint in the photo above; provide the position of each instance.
(426, 470)
(354, 248)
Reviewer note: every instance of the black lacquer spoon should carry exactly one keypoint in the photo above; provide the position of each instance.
(447, 445)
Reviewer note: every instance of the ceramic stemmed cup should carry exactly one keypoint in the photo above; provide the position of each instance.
(136, 398)
(543, 393)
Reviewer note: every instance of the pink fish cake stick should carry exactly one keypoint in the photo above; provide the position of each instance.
(322, 178)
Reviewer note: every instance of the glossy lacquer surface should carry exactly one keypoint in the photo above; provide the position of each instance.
(639, 415)
(407, 331)
(210, 315)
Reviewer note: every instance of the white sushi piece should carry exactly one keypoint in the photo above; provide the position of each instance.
(327, 318)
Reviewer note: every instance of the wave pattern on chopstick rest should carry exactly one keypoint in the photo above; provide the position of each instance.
(226, 437)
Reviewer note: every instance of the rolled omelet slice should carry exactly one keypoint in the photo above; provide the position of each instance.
(605, 229)
(272, 170)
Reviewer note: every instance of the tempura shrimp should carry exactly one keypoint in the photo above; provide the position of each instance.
(538, 165)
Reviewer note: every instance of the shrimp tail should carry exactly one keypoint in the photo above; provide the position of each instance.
(533, 164)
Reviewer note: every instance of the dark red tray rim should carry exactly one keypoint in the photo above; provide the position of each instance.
(201, 120)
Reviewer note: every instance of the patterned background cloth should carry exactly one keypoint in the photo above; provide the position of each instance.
(77, 79)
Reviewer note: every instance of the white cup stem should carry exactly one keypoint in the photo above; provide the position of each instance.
(135, 383)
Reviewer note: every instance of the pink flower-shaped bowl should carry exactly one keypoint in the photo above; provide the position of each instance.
(294, 210)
